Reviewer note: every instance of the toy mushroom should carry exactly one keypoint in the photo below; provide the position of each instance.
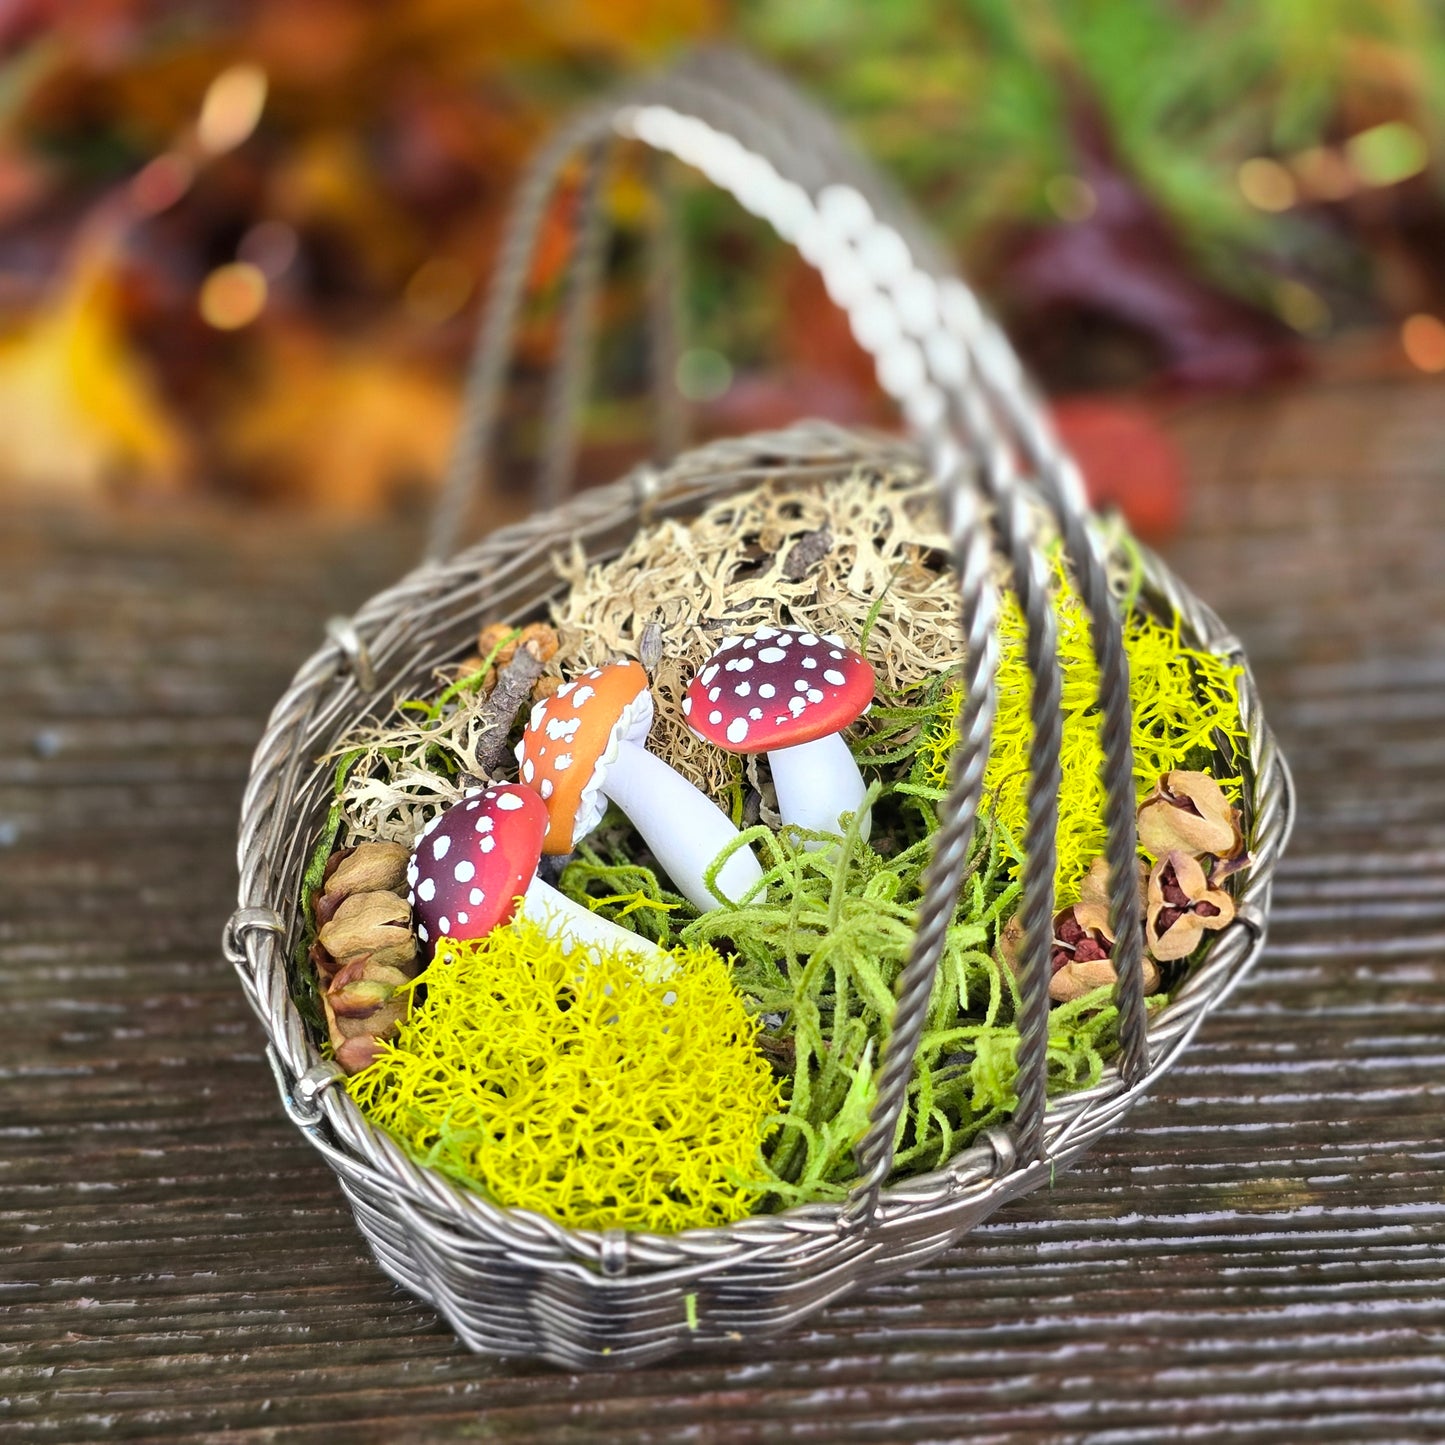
(584, 745)
(474, 861)
(790, 694)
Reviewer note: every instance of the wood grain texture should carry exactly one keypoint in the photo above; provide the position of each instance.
(1257, 1255)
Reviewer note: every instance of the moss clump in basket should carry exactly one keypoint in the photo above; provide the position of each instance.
(573, 1085)
(817, 956)
(1185, 703)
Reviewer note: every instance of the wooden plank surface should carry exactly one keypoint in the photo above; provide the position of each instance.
(1258, 1254)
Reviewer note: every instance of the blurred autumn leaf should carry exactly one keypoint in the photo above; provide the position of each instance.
(81, 410)
(242, 246)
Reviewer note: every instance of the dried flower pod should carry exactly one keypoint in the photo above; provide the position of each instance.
(1188, 813)
(1182, 906)
(1081, 959)
(366, 922)
(355, 1054)
(366, 868)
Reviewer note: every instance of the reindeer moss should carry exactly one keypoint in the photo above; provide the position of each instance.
(574, 1086)
(1186, 702)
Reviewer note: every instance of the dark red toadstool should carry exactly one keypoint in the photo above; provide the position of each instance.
(474, 862)
(788, 693)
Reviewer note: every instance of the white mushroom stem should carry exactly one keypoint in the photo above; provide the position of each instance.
(565, 920)
(817, 783)
(684, 828)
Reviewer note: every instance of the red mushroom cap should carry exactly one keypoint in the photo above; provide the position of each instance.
(473, 861)
(776, 689)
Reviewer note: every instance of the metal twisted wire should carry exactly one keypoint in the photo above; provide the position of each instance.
(567, 395)
(1007, 388)
(951, 844)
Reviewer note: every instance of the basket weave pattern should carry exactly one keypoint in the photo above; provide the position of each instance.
(512, 1282)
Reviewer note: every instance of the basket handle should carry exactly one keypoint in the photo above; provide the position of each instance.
(964, 395)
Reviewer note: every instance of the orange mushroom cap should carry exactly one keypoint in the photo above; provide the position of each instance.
(572, 738)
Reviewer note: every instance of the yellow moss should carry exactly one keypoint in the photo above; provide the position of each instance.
(579, 1088)
(1182, 697)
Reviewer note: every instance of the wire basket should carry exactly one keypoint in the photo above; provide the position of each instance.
(509, 1281)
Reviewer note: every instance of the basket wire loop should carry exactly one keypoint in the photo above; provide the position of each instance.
(665, 321)
(947, 365)
(567, 394)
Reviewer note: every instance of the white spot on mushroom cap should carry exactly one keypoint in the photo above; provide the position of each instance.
(485, 825)
(462, 916)
(807, 639)
(714, 717)
(835, 677)
(810, 663)
(440, 847)
(562, 763)
(421, 932)
(708, 673)
(737, 730)
(427, 889)
(475, 897)
(714, 693)
(800, 685)
(687, 707)
(743, 689)
(771, 654)
(487, 844)
(755, 713)
(766, 689)
(465, 871)
(445, 924)
(509, 802)
(585, 694)
(563, 729)
(815, 694)
(546, 789)
(529, 771)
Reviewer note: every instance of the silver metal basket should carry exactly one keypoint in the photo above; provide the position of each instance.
(509, 1281)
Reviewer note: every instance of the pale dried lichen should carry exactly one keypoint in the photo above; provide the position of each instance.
(723, 572)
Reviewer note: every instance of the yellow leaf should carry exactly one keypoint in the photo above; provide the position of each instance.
(81, 410)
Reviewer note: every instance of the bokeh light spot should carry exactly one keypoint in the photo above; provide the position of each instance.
(437, 290)
(159, 184)
(1070, 198)
(232, 108)
(1323, 173)
(233, 296)
(1389, 153)
(1301, 308)
(270, 246)
(1423, 337)
(703, 374)
(1266, 185)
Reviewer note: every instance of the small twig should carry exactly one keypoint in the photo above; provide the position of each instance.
(499, 712)
(649, 646)
(807, 552)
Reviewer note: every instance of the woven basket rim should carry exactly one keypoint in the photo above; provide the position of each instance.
(1072, 1119)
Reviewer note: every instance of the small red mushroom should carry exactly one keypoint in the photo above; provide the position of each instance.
(475, 865)
(789, 693)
